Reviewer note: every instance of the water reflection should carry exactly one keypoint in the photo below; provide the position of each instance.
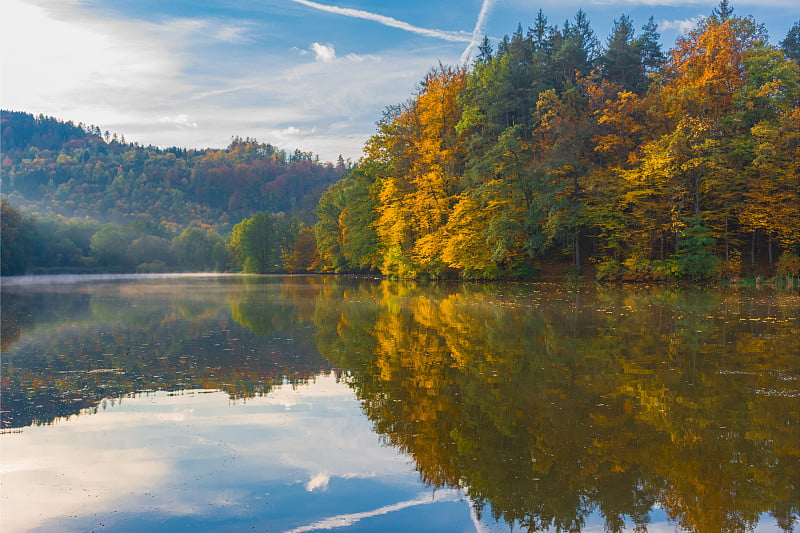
(66, 347)
(300, 457)
(535, 405)
(550, 405)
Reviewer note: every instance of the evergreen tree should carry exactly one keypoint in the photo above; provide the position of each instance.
(621, 62)
(791, 44)
(649, 44)
(484, 51)
(722, 12)
(539, 33)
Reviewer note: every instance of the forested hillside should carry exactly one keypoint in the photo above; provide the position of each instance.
(555, 148)
(60, 168)
(78, 200)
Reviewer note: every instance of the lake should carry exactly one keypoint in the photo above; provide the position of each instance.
(321, 403)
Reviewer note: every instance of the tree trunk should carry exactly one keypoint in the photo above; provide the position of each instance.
(697, 195)
(727, 255)
(677, 232)
(769, 248)
(753, 247)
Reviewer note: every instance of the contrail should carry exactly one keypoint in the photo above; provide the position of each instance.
(477, 33)
(346, 520)
(394, 23)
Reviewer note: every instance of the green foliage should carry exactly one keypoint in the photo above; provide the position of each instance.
(791, 44)
(17, 239)
(609, 270)
(553, 146)
(259, 244)
(197, 249)
(56, 168)
(149, 248)
(53, 245)
(788, 265)
(108, 246)
(59, 168)
(696, 256)
(345, 233)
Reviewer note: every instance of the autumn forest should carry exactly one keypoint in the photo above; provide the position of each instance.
(555, 152)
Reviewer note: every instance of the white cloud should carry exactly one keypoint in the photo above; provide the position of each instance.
(73, 468)
(181, 120)
(324, 108)
(388, 21)
(42, 75)
(682, 25)
(323, 53)
(319, 481)
(49, 473)
(159, 83)
(231, 34)
(361, 58)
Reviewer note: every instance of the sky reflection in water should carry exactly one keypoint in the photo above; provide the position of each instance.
(302, 458)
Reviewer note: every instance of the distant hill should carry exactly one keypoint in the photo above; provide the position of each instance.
(51, 166)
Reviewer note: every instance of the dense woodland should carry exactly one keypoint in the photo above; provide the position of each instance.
(58, 167)
(617, 158)
(264, 243)
(77, 200)
(552, 153)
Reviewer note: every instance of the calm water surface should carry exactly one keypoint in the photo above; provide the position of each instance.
(327, 404)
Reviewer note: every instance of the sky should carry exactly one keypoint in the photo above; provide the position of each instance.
(313, 75)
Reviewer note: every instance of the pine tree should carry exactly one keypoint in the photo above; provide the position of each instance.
(539, 33)
(484, 51)
(723, 12)
(650, 47)
(791, 44)
(621, 62)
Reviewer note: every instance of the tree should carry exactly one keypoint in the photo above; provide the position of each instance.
(109, 245)
(655, 165)
(791, 44)
(17, 238)
(621, 62)
(198, 250)
(484, 51)
(256, 243)
(346, 237)
(150, 249)
(773, 194)
(417, 192)
(722, 12)
(302, 256)
(650, 47)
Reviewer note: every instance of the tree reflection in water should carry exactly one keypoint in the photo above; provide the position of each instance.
(546, 405)
(67, 348)
(550, 405)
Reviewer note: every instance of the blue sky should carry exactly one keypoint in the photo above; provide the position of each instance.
(307, 74)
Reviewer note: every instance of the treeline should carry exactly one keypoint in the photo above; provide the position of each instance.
(264, 243)
(56, 167)
(555, 149)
